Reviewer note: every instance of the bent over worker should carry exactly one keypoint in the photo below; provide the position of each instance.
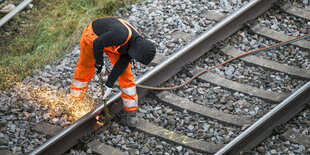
(121, 42)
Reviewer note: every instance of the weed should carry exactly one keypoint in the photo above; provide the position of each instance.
(55, 27)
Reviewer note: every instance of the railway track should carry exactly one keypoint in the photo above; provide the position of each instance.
(179, 119)
(11, 14)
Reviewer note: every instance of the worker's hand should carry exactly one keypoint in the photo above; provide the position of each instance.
(107, 92)
(100, 69)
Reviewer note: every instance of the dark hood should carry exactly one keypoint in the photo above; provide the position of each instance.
(142, 50)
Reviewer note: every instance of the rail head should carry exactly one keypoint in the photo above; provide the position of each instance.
(11, 14)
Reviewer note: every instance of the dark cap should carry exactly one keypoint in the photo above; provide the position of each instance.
(142, 50)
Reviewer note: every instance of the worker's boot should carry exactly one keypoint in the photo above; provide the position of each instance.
(132, 120)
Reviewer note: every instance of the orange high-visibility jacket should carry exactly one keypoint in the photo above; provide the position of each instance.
(111, 36)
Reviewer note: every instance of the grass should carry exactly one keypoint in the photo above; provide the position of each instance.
(57, 27)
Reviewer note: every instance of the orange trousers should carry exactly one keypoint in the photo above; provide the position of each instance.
(86, 67)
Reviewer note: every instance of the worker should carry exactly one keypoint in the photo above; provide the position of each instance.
(122, 43)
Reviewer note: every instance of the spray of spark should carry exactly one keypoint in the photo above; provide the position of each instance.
(60, 103)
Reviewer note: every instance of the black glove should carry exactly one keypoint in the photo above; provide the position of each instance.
(98, 68)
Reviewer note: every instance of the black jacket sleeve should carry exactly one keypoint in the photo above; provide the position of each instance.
(118, 69)
(110, 38)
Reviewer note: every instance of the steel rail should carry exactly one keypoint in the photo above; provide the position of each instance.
(280, 114)
(162, 72)
(11, 14)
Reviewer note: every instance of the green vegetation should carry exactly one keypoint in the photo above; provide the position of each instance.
(57, 26)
